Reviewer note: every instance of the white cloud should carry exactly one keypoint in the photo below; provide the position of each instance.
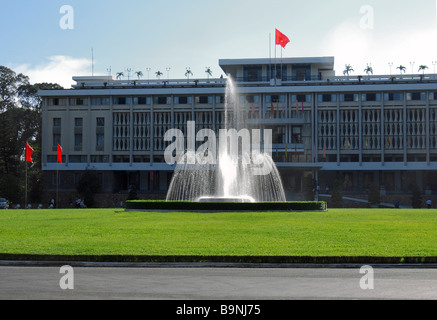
(350, 44)
(58, 69)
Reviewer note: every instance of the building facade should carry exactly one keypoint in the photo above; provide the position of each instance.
(359, 130)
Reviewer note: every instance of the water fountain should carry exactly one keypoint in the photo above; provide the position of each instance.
(232, 179)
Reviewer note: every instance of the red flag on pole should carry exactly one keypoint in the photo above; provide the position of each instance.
(324, 151)
(281, 39)
(59, 154)
(29, 152)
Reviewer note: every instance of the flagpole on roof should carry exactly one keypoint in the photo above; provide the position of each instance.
(275, 72)
(270, 56)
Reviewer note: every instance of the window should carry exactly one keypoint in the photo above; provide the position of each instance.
(297, 135)
(349, 97)
(99, 159)
(275, 98)
(100, 142)
(122, 100)
(141, 100)
(57, 102)
(181, 100)
(252, 73)
(78, 122)
(204, 100)
(416, 96)
(371, 97)
(394, 96)
(78, 139)
(301, 98)
(327, 98)
(100, 122)
(220, 99)
(78, 159)
(56, 122)
(56, 140)
(78, 101)
(97, 101)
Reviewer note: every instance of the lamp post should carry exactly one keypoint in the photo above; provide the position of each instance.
(390, 64)
(434, 63)
(412, 68)
(128, 70)
(168, 73)
(148, 74)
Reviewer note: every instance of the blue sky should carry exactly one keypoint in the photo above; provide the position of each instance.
(177, 34)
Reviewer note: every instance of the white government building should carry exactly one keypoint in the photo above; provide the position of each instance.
(360, 130)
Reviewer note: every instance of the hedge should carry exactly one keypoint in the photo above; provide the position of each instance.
(205, 206)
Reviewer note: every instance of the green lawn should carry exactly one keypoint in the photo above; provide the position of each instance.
(338, 232)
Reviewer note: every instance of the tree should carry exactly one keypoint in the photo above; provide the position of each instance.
(416, 198)
(188, 73)
(348, 69)
(374, 195)
(158, 74)
(368, 70)
(9, 84)
(337, 197)
(20, 122)
(139, 74)
(308, 186)
(423, 68)
(402, 69)
(87, 186)
(208, 71)
(133, 193)
(120, 75)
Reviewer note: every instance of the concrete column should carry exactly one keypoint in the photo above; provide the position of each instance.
(382, 119)
(405, 128)
(338, 131)
(131, 132)
(428, 129)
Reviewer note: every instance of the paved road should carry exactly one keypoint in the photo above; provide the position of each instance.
(43, 283)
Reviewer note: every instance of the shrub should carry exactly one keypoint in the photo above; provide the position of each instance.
(416, 199)
(205, 206)
(337, 197)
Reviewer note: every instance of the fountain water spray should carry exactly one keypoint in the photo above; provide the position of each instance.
(236, 176)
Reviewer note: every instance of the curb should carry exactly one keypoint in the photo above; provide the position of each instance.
(286, 261)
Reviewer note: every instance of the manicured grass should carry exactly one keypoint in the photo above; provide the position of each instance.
(338, 232)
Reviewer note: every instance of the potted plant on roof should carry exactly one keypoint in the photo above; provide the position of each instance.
(402, 69)
(208, 72)
(188, 73)
(369, 70)
(348, 69)
(139, 74)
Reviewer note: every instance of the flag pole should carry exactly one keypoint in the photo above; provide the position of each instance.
(57, 184)
(25, 195)
(270, 56)
(275, 72)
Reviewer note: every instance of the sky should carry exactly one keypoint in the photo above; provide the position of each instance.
(49, 44)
